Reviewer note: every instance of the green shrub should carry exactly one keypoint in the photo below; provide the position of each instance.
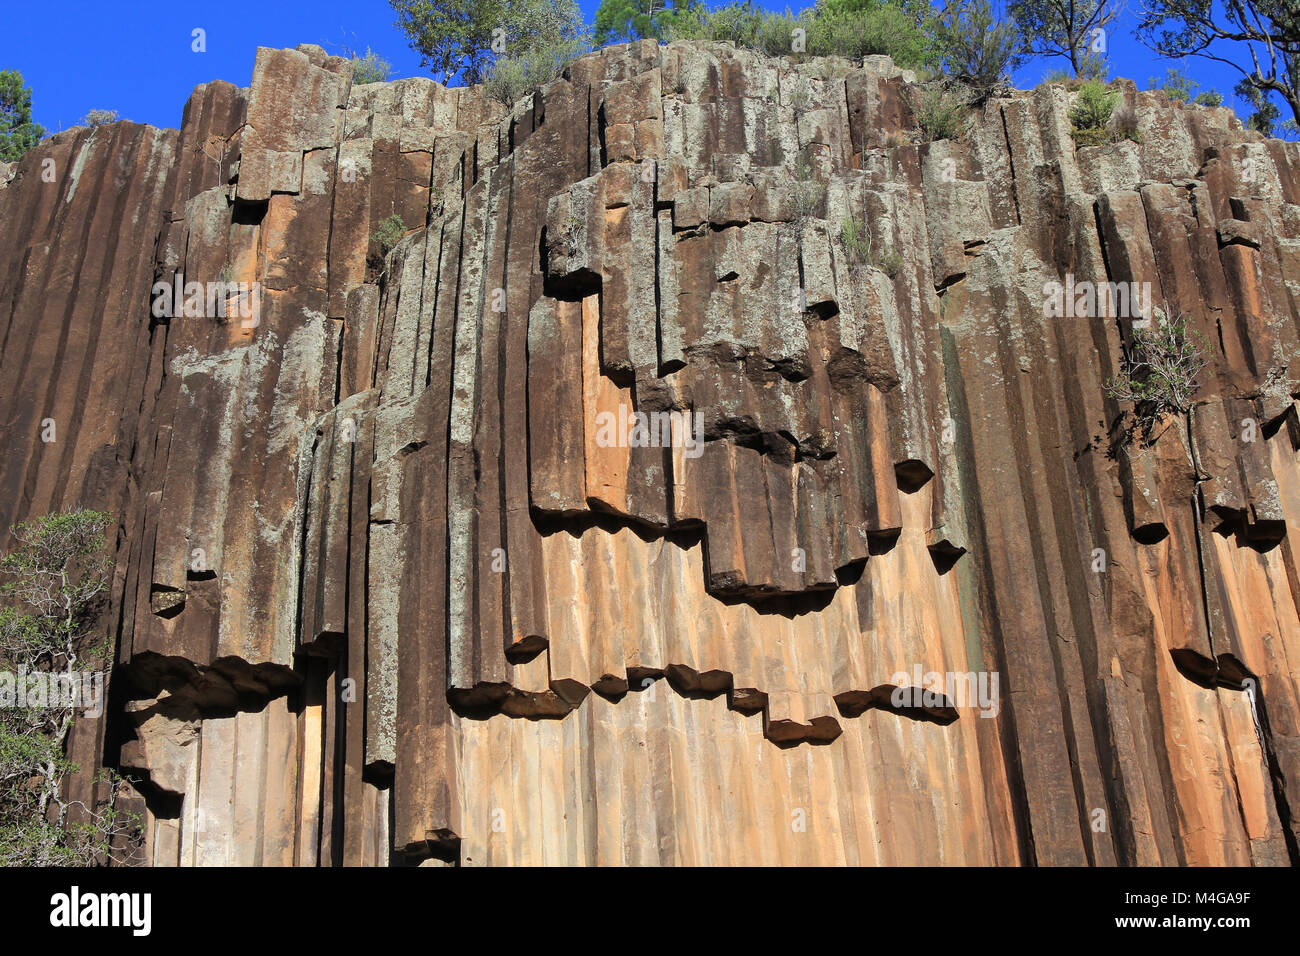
(1158, 372)
(1179, 87)
(977, 49)
(857, 245)
(862, 252)
(370, 68)
(738, 23)
(622, 21)
(858, 28)
(514, 77)
(462, 41)
(389, 233)
(809, 192)
(849, 28)
(1091, 117)
(776, 33)
(942, 112)
(1093, 106)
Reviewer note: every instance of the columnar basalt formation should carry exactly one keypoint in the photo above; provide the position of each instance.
(596, 520)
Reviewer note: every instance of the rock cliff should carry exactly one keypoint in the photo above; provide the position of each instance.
(391, 588)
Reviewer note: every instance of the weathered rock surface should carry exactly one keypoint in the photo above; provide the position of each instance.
(383, 594)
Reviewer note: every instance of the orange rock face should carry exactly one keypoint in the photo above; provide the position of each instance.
(626, 510)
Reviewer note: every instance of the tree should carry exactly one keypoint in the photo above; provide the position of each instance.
(551, 35)
(460, 39)
(18, 133)
(977, 48)
(453, 37)
(1258, 38)
(1266, 113)
(1072, 29)
(621, 21)
(57, 575)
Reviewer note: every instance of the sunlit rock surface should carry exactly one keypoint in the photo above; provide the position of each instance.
(384, 593)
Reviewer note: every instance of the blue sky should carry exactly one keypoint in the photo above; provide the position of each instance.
(135, 56)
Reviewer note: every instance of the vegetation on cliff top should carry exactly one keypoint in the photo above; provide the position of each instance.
(515, 46)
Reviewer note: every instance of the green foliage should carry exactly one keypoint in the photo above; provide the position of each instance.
(738, 23)
(857, 245)
(849, 28)
(1070, 29)
(858, 28)
(1258, 38)
(461, 39)
(809, 192)
(1092, 115)
(515, 76)
(453, 37)
(1265, 114)
(389, 233)
(99, 117)
(1179, 87)
(1093, 106)
(55, 578)
(942, 112)
(977, 48)
(621, 21)
(18, 133)
(370, 67)
(58, 569)
(1159, 370)
(862, 252)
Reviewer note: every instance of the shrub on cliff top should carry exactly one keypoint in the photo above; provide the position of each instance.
(978, 49)
(99, 117)
(1094, 105)
(1091, 117)
(901, 29)
(460, 40)
(514, 77)
(370, 67)
(851, 28)
(622, 21)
